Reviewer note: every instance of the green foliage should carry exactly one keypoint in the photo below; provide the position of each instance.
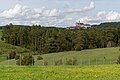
(78, 47)
(72, 61)
(109, 24)
(2, 39)
(17, 57)
(11, 55)
(26, 60)
(45, 63)
(118, 60)
(39, 58)
(49, 40)
(119, 42)
(59, 62)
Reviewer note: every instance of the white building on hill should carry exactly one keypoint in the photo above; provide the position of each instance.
(79, 26)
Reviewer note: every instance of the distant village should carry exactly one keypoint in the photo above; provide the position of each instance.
(80, 25)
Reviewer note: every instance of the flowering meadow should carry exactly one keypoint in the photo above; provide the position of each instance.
(96, 72)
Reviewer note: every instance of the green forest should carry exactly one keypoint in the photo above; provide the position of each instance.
(52, 39)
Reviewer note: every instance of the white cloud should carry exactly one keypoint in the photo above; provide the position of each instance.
(24, 15)
(87, 8)
(113, 16)
(101, 16)
(23, 11)
(58, 17)
(110, 16)
(84, 19)
(62, 1)
(11, 13)
(91, 6)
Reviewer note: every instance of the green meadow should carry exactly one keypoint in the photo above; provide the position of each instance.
(85, 57)
(92, 64)
(99, 72)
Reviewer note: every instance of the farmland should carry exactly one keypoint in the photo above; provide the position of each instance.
(59, 40)
(99, 72)
(92, 64)
(85, 57)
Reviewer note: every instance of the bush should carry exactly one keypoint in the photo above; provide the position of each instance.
(19, 62)
(35, 53)
(2, 38)
(72, 61)
(78, 47)
(17, 57)
(1, 52)
(39, 58)
(26, 60)
(11, 55)
(45, 63)
(59, 62)
(118, 60)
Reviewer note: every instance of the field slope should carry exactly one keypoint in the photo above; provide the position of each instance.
(85, 57)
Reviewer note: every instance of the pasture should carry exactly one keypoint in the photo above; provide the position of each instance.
(99, 72)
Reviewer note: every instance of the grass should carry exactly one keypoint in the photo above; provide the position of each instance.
(85, 57)
(80, 72)
(2, 58)
(100, 72)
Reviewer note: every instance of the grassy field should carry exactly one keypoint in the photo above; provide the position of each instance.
(100, 72)
(93, 64)
(85, 57)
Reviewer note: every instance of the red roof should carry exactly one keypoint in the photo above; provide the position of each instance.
(76, 27)
(79, 26)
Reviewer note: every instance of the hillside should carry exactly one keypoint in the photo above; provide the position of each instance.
(85, 57)
(50, 40)
(5, 48)
(107, 24)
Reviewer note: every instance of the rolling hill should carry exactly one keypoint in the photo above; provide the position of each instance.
(84, 57)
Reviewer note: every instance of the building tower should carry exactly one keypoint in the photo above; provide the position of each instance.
(78, 23)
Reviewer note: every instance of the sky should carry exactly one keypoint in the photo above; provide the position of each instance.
(61, 13)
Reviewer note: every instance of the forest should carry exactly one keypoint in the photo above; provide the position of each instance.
(108, 24)
(51, 39)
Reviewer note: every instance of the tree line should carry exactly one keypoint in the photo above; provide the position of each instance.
(50, 39)
(108, 24)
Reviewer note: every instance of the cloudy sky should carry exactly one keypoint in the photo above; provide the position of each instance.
(58, 12)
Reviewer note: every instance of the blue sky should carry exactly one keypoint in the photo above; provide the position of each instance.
(58, 12)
